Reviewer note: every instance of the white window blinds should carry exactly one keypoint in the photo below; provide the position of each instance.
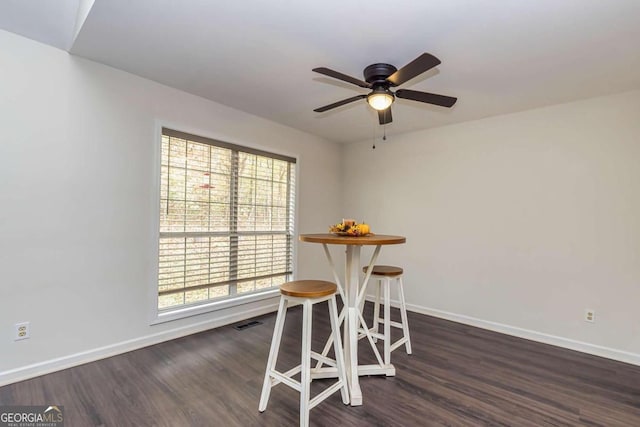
(226, 220)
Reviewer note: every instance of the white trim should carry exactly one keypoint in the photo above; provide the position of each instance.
(64, 362)
(220, 137)
(46, 367)
(296, 221)
(583, 347)
(394, 303)
(154, 222)
(229, 302)
(156, 316)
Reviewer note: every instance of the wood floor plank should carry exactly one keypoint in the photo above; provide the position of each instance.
(457, 376)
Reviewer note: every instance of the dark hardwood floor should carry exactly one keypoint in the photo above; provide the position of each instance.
(457, 376)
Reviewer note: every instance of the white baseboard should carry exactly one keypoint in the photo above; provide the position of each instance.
(584, 347)
(48, 366)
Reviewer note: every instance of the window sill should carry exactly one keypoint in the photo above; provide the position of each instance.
(185, 312)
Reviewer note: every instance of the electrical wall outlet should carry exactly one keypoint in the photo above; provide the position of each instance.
(22, 331)
(589, 315)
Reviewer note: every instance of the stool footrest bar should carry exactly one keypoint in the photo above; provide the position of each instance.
(392, 323)
(388, 370)
(396, 324)
(282, 378)
(324, 359)
(398, 343)
(323, 395)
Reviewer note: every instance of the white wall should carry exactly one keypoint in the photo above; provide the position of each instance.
(517, 223)
(77, 192)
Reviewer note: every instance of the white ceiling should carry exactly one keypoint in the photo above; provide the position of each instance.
(47, 21)
(498, 56)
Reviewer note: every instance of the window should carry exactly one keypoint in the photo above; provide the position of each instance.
(226, 221)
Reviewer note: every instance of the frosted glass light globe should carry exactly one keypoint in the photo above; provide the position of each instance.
(380, 100)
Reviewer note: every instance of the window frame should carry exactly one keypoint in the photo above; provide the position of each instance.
(158, 316)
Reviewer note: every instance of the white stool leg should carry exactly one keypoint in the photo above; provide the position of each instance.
(273, 354)
(376, 309)
(403, 313)
(337, 349)
(305, 368)
(387, 322)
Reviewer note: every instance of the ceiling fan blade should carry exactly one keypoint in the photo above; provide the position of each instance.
(419, 65)
(384, 116)
(429, 98)
(340, 76)
(339, 103)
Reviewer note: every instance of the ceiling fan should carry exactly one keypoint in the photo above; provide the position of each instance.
(380, 78)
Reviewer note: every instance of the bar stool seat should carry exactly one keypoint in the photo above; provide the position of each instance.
(384, 274)
(385, 270)
(308, 289)
(308, 293)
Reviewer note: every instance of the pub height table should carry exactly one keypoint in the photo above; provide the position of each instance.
(353, 297)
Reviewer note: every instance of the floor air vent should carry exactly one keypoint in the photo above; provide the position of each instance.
(243, 326)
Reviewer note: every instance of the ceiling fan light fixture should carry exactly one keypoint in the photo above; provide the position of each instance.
(380, 99)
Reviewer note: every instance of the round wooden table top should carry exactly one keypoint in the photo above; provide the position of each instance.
(334, 239)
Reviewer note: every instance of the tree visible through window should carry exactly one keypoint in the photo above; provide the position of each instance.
(226, 220)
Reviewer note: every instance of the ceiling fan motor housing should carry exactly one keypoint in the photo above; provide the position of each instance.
(376, 74)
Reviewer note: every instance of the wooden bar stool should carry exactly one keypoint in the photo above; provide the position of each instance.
(384, 274)
(308, 293)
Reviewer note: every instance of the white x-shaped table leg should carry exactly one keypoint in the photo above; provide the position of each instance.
(352, 295)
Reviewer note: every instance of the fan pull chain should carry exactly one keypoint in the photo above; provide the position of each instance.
(384, 127)
(374, 136)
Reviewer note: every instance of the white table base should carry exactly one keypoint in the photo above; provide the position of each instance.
(353, 297)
